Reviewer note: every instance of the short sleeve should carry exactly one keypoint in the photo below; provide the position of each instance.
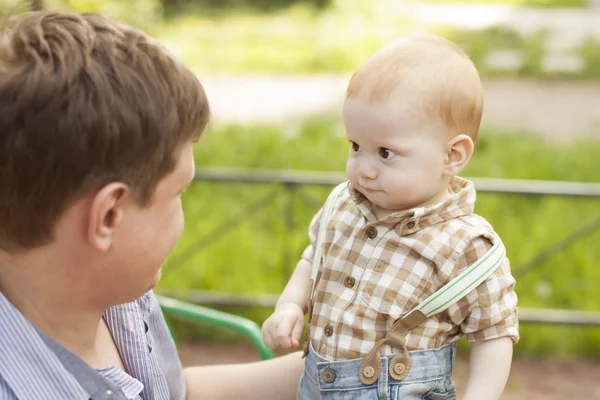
(490, 310)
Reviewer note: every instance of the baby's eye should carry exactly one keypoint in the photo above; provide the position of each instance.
(355, 146)
(386, 153)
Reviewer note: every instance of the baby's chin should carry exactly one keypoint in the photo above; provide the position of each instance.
(374, 197)
(381, 201)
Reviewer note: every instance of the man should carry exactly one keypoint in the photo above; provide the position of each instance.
(96, 133)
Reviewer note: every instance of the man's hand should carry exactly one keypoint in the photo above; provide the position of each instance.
(263, 380)
(283, 329)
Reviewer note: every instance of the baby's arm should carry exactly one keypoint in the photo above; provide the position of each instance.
(488, 317)
(284, 327)
(489, 368)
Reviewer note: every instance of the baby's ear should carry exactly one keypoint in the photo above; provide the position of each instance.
(459, 150)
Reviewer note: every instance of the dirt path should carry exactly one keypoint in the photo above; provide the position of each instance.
(531, 379)
(557, 109)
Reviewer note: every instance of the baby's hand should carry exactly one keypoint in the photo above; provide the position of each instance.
(283, 329)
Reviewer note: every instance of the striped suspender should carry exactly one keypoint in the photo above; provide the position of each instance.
(464, 283)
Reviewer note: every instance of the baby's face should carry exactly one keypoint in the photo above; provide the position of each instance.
(397, 154)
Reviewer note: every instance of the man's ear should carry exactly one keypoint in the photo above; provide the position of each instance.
(106, 212)
(459, 150)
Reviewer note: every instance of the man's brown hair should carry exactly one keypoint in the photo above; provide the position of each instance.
(85, 101)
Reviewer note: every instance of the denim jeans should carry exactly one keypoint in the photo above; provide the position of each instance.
(429, 378)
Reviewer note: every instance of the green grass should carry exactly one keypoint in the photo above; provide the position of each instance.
(252, 257)
(516, 3)
(144, 14)
(302, 39)
(305, 39)
(296, 40)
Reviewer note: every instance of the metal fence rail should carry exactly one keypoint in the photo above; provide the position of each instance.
(526, 315)
(308, 178)
(293, 181)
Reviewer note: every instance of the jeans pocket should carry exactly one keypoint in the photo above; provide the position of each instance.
(437, 389)
(351, 394)
(448, 395)
(411, 391)
(442, 390)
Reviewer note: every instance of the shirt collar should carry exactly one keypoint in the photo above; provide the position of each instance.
(128, 322)
(130, 386)
(460, 203)
(95, 383)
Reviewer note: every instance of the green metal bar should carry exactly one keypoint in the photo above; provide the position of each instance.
(316, 178)
(206, 315)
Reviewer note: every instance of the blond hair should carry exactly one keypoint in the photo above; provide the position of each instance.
(435, 70)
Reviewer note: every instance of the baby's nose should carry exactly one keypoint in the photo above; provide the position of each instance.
(367, 170)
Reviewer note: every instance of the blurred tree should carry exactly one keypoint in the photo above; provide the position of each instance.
(37, 5)
(144, 14)
(251, 4)
(12, 7)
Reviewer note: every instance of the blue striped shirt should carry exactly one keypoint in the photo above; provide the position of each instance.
(33, 366)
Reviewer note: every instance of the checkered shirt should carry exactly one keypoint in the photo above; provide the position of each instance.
(375, 271)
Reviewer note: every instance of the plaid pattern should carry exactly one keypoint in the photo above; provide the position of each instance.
(376, 271)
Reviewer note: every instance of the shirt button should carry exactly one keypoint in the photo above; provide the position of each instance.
(328, 330)
(109, 392)
(349, 282)
(410, 224)
(372, 232)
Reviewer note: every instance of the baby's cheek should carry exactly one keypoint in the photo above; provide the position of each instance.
(350, 170)
(407, 187)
